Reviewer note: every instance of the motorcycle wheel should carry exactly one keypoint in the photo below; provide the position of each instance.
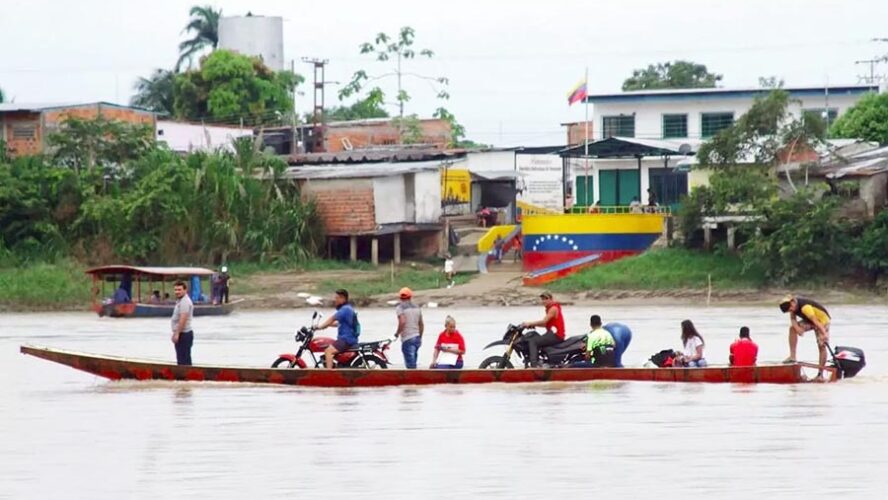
(496, 363)
(283, 363)
(373, 362)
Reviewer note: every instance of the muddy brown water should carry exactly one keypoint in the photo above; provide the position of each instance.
(67, 434)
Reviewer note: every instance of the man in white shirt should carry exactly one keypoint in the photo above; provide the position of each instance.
(183, 336)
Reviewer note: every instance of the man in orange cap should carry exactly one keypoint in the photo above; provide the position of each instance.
(410, 327)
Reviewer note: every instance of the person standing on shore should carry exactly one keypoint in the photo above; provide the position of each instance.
(183, 335)
(448, 270)
(410, 327)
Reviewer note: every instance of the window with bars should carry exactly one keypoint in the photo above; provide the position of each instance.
(619, 126)
(675, 126)
(24, 132)
(713, 123)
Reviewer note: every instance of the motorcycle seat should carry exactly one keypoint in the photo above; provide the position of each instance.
(569, 344)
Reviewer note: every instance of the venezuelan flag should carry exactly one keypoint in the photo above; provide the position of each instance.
(578, 93)
(552, 240)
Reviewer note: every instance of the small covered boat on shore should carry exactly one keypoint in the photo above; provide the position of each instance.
(147, 292)
(119, 368)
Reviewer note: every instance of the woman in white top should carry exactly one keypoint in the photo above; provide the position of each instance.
(693, 344)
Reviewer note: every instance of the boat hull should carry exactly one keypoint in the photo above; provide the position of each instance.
(118, 368)
(132, 310)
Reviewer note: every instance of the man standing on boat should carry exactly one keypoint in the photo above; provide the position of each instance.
(224, 279)
(554, 323)
(183, 336)
(410, 327)
(804, 315)
(349, 329)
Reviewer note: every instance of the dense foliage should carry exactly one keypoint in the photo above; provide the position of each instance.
(203, 24)
(153, 206)
(867, 119)
(672, 75)
(229, 86)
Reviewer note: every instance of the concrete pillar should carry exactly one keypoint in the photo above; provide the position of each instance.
(732, 241)
(374, 251)
(397, 240)
(707, 237)
(353, 248)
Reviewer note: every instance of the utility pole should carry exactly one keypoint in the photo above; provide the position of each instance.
(872, 69)
(317, 116)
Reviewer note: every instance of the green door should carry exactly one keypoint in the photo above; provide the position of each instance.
(608, 189)
(585, 197)
(629, 186)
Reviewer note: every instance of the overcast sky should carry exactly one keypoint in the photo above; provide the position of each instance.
(510, 63)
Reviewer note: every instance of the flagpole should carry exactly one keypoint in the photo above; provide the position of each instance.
(586, 137)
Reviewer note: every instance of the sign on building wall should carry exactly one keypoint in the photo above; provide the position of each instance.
(455, 186)
(541, 180)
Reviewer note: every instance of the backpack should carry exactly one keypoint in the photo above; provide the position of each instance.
(664, 358)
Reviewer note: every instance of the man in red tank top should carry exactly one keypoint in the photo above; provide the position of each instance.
(554, 323)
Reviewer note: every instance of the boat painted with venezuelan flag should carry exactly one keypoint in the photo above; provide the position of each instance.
(556, 245)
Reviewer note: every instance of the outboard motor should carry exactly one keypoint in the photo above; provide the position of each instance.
(848, 360)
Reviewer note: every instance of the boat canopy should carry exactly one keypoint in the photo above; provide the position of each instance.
(152, 272)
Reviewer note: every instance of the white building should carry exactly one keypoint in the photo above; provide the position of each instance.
(649, 129)
(260, 36)
(189, 137)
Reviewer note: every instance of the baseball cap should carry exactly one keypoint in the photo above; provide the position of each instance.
(405, 293)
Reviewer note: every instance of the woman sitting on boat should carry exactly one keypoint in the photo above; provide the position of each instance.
(450, 347)
(692, 353)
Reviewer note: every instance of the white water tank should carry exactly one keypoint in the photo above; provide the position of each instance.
(261, 36)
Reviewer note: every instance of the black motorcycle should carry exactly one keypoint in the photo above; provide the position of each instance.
(559, 355)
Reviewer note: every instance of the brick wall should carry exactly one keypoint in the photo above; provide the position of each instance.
(576, 133)
(434, 132)
(21, 130)
(345, 205)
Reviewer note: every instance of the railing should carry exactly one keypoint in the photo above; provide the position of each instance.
(485, 244)
(525, 208)
(619, 209)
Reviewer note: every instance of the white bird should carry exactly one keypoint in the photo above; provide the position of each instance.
(314, 300)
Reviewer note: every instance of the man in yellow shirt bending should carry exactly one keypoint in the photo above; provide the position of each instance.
(804, 315)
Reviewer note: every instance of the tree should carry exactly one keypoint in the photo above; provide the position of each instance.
(229, 87)
(2, 97)
(400, 49)
(672, 75)
(204, 23)
(370, 106)
(82, 145)
(156, 92)
(867, 119)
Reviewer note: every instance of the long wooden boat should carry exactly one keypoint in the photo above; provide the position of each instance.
(139, 310)
(141, 303)
(118, 368)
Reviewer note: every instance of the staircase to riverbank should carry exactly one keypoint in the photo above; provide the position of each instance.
(466, 255)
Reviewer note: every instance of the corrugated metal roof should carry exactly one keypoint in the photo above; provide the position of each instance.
(385, 169)
(662, 94)
(41, 106)
(373, 155)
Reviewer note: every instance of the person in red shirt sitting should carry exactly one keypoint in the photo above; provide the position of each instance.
(744, 351)
(449, 348)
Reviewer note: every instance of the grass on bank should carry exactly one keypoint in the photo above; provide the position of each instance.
(663, 269)
(44, 286)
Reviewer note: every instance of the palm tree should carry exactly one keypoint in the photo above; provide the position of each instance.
(155, 92)
(205, 25)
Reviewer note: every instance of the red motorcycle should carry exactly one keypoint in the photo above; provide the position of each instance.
(366, 355)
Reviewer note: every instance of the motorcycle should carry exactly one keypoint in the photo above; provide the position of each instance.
(366, 355)
(559, 355)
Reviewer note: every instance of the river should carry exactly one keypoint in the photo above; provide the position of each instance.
(67, 434)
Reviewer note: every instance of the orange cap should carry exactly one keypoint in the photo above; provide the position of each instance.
(405, 293)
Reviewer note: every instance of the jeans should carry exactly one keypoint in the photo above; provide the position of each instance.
(183, 348)
(535, 343)
(457, 366)
(700, 363)
(622, 336)
(410, 348)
